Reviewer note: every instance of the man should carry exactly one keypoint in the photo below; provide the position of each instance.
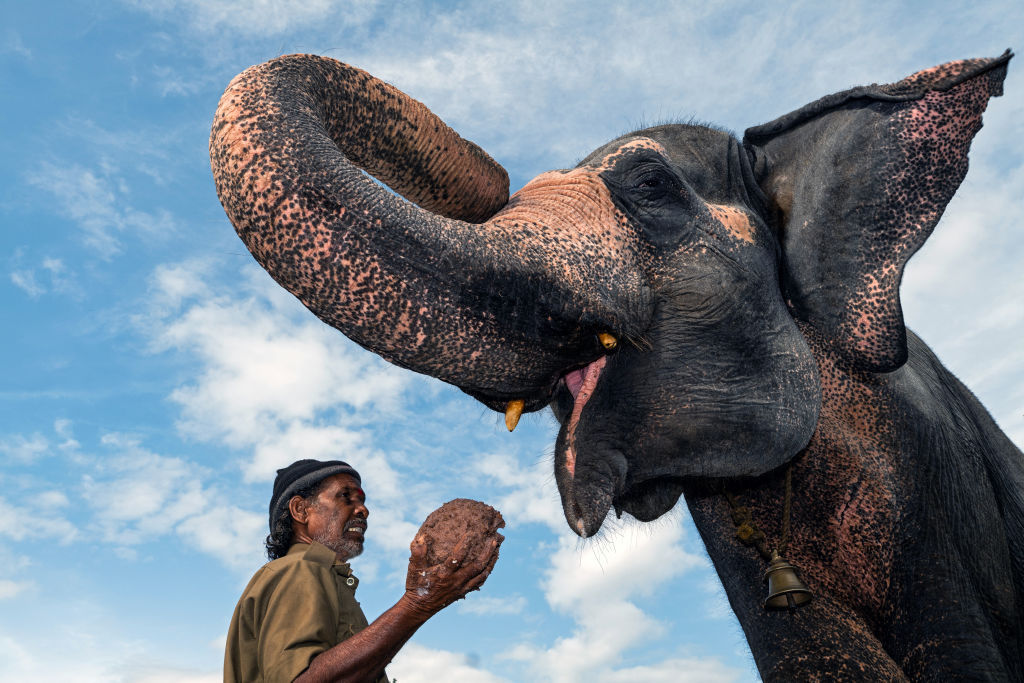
(298, 619)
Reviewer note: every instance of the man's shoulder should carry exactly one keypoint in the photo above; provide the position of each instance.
(312, 552)
(302, 558)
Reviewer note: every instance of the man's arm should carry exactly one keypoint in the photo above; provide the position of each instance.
(428, 590)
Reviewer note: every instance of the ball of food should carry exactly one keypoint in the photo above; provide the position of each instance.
(446, 525)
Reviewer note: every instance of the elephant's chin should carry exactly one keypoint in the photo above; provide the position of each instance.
(650, 499)
(586, 503)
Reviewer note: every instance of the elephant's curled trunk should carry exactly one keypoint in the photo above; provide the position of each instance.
(335, 115)
(287, 142)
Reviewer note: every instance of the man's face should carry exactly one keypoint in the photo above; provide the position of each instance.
(337, 517)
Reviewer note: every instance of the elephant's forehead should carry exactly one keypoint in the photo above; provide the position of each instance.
(576, 194)
(609, 160)
(572, 205)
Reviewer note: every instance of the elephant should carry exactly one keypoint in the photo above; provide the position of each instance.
(707, 317)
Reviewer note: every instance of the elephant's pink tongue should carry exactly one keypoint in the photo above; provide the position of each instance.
(581, 384)
(574, 381)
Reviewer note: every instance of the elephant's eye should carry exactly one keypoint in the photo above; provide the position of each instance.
(652, 181)
(651, 192)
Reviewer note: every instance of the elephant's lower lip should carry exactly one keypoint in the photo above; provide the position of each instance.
(649, 499)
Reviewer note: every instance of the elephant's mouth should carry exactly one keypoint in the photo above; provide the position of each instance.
(561, 389)
(591, 464)
(587, 486)
(587, 498)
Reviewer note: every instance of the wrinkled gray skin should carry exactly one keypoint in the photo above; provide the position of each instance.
(753, 289)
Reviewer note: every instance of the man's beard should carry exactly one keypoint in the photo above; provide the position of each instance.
(334, 538)
(344, 548)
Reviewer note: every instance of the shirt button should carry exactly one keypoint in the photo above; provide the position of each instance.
(350, 581)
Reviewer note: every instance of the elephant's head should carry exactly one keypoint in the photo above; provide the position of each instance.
(663, 296)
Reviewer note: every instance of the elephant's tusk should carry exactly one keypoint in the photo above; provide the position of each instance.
(607, 341)
(513, 409)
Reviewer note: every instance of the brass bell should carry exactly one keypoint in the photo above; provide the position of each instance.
(785, 589)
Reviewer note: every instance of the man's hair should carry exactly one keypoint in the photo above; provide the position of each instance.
(281, 537)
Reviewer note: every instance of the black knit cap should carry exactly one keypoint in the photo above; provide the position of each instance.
(302, 474)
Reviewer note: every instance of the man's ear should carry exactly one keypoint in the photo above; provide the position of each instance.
(298, 507)
(858, 181)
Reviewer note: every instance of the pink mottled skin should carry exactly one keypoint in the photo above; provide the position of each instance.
(735, 220)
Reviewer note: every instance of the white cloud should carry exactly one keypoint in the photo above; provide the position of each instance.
(276, 384)
(232, 535)
(171, 82)
(269, 372)
(279, 448)
(8, 588)
(259, 17)
(494, 71)
(14, 522)
(533, 497)
(95, 199)
(52, 499)
(676, 670)
(609, 567)
(62, 427)
(14, 659)
(24, 449)
(89, 653)
(139, 495)
(487, 605)
(25, 280)
(418, 664)
(49, 276)
(11, 566)
(13, 44)
(172, 285)
(596, 587)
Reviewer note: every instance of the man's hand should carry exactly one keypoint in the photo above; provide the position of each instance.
(432, 588)
(428, 590)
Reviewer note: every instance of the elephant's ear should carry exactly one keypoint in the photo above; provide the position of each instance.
(858, 181)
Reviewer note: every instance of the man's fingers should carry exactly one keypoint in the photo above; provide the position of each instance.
(460, 551)
(454, 561)
(477, 573)
(491, 562)
(418, 548)
(483, 556)
(478, 580)
(489, 552)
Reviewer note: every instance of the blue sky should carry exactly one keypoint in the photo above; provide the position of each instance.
(154, 377)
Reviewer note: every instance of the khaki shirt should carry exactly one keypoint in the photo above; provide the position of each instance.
(293, 609)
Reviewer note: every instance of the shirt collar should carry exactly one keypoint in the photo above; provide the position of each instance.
(318, 552)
